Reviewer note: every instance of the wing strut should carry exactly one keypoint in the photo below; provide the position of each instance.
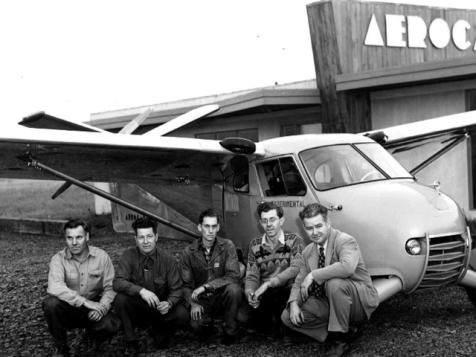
(38, 165)
(438, 154)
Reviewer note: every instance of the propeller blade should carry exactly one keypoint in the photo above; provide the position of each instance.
(182, 120)
(136, 122)
(62, 188)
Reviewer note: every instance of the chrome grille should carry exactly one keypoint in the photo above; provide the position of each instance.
(446, 260)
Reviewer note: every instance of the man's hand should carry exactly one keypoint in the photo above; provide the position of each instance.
(150, 298)
(306, 283)
(96, 306)
(196, 311)
(295, 314)
(254, 303)
(95, 315)
(97, 310)
(197, 292)
(261, 290)
(164, 307)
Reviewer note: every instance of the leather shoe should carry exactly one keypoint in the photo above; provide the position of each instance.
(338, 349)
(353, 333)
(61, 351)
(132, 349)
(228, 340)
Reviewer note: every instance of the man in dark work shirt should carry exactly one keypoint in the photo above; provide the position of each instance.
(211, 276)
(149, 289)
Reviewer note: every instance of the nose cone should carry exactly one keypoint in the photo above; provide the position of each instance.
(383, 215)
(405, 206)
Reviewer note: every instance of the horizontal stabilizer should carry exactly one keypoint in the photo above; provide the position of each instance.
(41, 120)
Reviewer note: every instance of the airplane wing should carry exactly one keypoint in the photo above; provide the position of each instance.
(424, 128)
(107, 156)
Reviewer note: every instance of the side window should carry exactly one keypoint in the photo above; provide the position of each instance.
(281, 177)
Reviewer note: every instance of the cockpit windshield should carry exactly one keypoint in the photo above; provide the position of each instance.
(342, 165)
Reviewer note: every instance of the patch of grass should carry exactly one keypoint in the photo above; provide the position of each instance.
(32, 199)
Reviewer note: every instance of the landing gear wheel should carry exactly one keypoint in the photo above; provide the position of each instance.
(471, 294)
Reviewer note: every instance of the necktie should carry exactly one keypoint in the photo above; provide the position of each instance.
(322, 258)
(148, 270)
(316, 289)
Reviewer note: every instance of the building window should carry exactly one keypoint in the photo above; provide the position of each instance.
(250, 134)
(298, 129)
(470, 100)
(290, 129)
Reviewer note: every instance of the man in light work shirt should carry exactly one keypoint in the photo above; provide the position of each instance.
(271, 268)
(80, 289)
(149, 289)
(211, 276)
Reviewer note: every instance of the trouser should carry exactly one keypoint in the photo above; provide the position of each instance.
(332, 314)
(272, 303)
(61, 316)
(223, 302)
(134, 311)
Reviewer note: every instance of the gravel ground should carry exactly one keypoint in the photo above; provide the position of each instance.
(437, 322)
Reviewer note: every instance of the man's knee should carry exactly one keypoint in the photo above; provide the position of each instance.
(180, 314)
(51, 304)
(336, 286)
(234, 290)
(120, 301)
(285, 318)
(109, 325)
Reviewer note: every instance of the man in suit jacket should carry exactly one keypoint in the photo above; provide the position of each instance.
(333, 288)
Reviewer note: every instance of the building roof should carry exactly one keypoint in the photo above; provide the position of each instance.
(302, 93)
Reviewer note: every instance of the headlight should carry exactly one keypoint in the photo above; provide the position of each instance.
(413, 246)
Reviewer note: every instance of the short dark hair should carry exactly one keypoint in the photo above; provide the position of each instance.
(312, 210)
(73, 223)
(210, 212)
(144, 222)
(268, 206)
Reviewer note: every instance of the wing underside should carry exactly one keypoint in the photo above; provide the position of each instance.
(111, 157)
(181, 172)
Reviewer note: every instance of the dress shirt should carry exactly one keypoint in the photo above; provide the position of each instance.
(75, 281)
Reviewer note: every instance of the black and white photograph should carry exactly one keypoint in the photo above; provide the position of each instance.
(255, 178)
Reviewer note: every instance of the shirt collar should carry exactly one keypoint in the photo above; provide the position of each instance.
(324, 245)
(202, 247)
(281, 239)
(152, 255)
(92, 251)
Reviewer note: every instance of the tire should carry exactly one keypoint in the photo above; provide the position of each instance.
(471, 294)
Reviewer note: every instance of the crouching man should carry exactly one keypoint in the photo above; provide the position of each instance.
(149, 289)
(272, 268)
(333, 289)
(80, 289)
(211, 274)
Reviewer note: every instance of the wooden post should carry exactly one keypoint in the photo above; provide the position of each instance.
(341, 112)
